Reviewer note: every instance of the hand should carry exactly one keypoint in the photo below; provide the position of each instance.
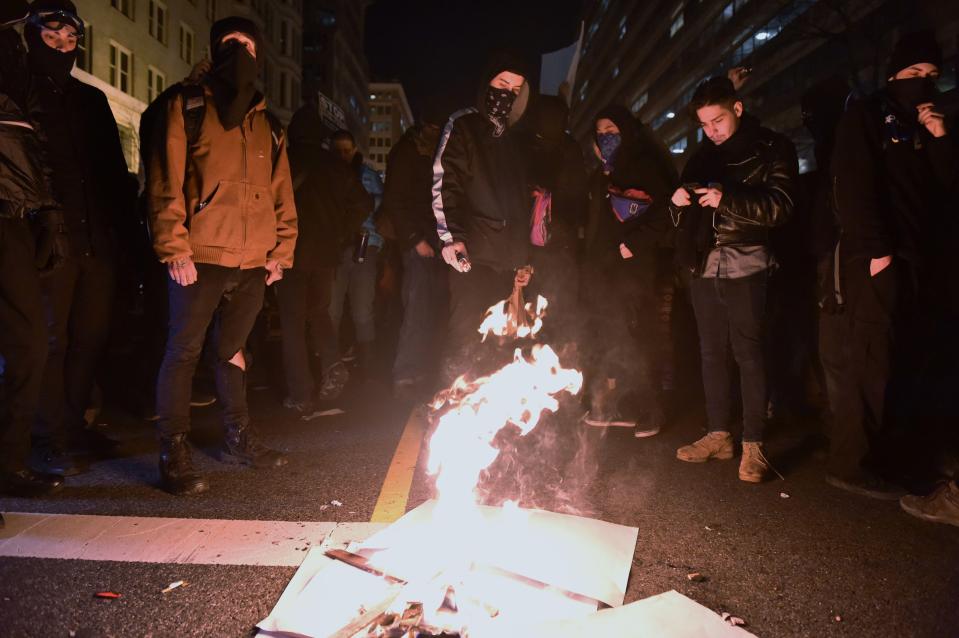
(933, 121)
(738, 76)
(423, 249)
(625, 252)
(274, 271)
(681, 197)
(182, 271)
(53, 245)
(523, 275)
(199, 71)
(876, 266)
(455, 255)
(709, 196)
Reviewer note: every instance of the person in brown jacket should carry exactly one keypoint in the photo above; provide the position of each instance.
(223, 221)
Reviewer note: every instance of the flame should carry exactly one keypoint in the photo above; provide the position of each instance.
(500, 322)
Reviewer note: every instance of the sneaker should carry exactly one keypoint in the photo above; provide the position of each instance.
(54, 460)
(242, 446)
(942, 506)
(599, 419)
(334, 381)
(753, 466)
(715, 445)
(867, 484)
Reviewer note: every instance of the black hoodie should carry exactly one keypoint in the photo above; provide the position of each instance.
(480, 190)
(642, 163)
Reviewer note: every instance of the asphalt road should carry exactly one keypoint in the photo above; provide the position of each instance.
(818, 563)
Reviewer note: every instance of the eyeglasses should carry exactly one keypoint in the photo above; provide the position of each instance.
(57, 21)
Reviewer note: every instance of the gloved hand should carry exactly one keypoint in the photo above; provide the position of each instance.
(53, 246)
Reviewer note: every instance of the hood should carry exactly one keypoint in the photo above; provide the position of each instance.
(627, 124)
(307, 128)
(506, 61)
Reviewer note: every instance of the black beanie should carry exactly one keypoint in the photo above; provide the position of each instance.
(914, 48)
(233, 24)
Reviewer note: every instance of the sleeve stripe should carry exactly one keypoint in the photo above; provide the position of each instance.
(442, 229)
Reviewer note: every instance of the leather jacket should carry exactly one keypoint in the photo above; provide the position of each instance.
(758, 171)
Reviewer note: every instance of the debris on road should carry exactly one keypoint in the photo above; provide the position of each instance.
(336, 503)
(174, 585)
(783, 495)
(732, 620)
(322, 413)
(106, 594)
(696, 577)
(838, 618)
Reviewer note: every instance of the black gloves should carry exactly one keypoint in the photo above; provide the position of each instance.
(53, 246)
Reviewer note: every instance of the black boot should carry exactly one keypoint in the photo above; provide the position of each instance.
(29, 483)
(54, 460)
(177, 475)
(242, 446)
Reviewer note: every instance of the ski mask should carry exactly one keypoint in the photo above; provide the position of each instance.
(608, 144)
(44, 59)
(233, 82)
(499, 103)
(909, 93)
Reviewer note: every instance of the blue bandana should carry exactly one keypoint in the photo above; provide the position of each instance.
(608, 144)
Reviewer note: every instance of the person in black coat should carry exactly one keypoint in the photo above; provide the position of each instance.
(626, 237)
(24, 193)
(82, 145)
(738, 185)
(895, 168)
(330, 204)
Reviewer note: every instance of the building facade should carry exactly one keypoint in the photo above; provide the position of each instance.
(390, 116)
(650, 56)
(334, 63)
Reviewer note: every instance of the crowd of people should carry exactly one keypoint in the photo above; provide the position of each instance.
(840, 274)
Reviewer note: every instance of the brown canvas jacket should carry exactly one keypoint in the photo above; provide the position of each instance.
(226, 202)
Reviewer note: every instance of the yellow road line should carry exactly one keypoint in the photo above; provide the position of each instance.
(396, 486)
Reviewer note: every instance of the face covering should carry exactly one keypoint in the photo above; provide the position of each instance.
(608, 144)
(911, 92)
(499, 103)
(46, 60)
(233, 83)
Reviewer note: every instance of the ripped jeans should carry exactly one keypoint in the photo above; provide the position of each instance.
(230, 299)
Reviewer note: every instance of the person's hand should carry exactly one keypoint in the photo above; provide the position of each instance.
(523, 275)
(53, 245)
(274, 271)
(876, 266)
(423, 249)
(182, 271)
(681, 197)
(199, 71)
(738, 76)
(709, 196)
(455, 255)
(934, 121)
(625, 252)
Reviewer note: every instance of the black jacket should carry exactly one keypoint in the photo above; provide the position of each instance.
(407, 201)
(641, 163)
(24, 187)
(480, 189)
(82, 146)
(888, 193)
(759, 174)
(330, 201)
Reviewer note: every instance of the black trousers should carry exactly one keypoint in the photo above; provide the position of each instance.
(871, 317)
(230, 297)
(732, 312)
(23, 342)
(304, 298)
(78, 300)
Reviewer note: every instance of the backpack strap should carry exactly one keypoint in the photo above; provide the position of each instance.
(194, 110)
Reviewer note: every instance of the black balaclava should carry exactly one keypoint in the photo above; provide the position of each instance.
(497, 104)
(234, 73)
(44, 59)
(913, 48)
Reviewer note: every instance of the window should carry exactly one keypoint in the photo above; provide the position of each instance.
(380, 127)
(676, 25)
(157, 20)
(211, 10)
(85, 50)
(284, 38)
(121, 68)
(388, 142)
(284, 90)
(186, 43)
(156, 83)
(123, 6)
(640, 102)
(622, 27)
(679, 147)
(616, 71)
(582, 91)
(728, 12)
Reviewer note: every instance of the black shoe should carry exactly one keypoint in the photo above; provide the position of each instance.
(53, 460)
(242, 446)
(30, 483)
(177, 475)
(866, 484)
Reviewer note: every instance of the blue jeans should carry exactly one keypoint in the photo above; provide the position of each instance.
(732, 312)
(424, 293)
(359, 282)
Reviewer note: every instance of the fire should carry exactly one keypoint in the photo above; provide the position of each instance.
(501, 321)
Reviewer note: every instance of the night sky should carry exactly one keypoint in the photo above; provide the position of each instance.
(438, 48)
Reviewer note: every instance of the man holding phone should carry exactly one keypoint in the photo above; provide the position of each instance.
(740, 183)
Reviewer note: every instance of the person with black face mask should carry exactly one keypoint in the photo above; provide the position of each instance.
(224, 224)
(24, 189)
(481, 203)
(893, 166)
(82, 145)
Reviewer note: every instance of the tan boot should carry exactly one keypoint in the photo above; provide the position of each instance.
(753, 466)
(715, 445)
